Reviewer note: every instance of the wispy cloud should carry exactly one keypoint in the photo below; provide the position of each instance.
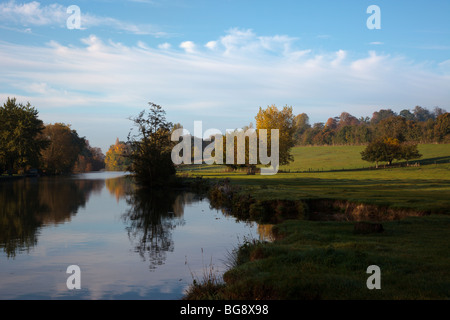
(194, 82)
(35, 14)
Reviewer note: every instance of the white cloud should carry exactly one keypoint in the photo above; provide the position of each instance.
(340, 57)
(188, 46)
(164, 46)
(35, 14)
(222, 87)
(211, 45)
(32, 13)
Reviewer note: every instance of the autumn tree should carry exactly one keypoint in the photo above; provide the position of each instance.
(331, 123)
(90, 159)
(442, 127)
(346, 119)
(151, 148)
(243, 144)
(283, 120)
(409, 151)
(390, 149)
(20, 140)
(118, 157)
(63, 150)
(377, 116)
(301, 122)
(395, 127)
(422, 114)
(386, 149)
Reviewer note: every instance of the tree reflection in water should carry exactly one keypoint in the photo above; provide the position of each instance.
(28, 204)
(151, 218)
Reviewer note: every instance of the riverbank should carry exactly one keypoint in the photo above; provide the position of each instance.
(328, 260)
(326, 256)
(318, 252)
(9, 178)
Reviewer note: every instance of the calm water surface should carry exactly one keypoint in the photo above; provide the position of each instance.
(128, 244)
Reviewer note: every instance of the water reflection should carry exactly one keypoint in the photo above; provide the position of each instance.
(129, 243)
(29, 204)
(151, 218)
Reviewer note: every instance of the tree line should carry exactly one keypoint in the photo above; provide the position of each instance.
(418, 125)
(388, 136)
(27, 143)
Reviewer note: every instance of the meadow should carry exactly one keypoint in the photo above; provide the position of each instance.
(326, 259)
(337, 172)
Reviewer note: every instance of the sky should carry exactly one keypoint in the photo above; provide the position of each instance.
(220, 61)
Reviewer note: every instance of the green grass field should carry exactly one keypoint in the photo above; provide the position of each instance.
(423, 188)
(325, 259)
(326, 158)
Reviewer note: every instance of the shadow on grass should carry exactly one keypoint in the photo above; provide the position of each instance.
(430, 196)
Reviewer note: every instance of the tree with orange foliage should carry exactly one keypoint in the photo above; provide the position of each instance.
(283, 120)
(117, 157)
(388, 149)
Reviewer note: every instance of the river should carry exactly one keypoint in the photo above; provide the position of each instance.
(128, 244)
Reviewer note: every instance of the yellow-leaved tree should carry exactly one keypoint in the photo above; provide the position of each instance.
(117, 157)
(283, 120)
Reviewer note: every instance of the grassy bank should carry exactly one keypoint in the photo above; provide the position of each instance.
(326, 260)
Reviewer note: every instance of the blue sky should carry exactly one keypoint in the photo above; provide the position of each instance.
(219, 61)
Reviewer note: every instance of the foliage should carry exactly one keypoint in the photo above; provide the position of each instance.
(64, 148)
(151, 147)
(117, 158)
(419, 126)
(90, 159)
(283, 120)
(20, 139)
(442, 127)
(409, 151)
(389, 149)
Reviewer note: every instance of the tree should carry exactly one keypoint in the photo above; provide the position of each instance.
(409, 151)
(394, 127)
(405, 113)
(151, 148)
(331, 123)
(377, 116)
(346, 119)
(90, 159)
(442, 127)
(373, 152)
(63, 150)
(386, 149)
(20, 142)
(301, 122)
(438, 112)
(118, 157)
(283, 120)
(344, 135)
(422, 114)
